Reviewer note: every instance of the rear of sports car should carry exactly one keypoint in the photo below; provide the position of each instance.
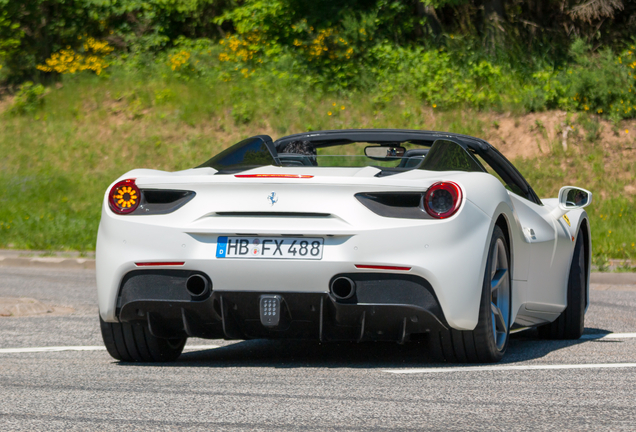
(310, 253)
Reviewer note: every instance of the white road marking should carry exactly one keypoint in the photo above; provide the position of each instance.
(513, 368)
(609, 336)
(532, 367)
(201, 347)
(51, 349)
(83, 348)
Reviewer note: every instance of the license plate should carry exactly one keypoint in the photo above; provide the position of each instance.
(270, 247)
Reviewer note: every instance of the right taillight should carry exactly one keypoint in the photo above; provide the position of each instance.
(442, 199)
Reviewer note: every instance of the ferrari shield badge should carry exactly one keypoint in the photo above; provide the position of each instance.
(567, 220)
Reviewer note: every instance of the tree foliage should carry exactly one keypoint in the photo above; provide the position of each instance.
(32, 30)
(571, 54)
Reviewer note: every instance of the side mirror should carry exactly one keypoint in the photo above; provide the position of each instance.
(384, 152)
(571, 198)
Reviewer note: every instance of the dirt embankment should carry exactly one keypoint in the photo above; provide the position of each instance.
(536, 134)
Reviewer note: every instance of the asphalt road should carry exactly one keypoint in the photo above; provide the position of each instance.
(272, 385)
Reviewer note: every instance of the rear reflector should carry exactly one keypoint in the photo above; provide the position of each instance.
(289, 176)
(375, 267)
(152, 264)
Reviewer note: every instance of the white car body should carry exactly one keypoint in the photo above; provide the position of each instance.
(449, 253)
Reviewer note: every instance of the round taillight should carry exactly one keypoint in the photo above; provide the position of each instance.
(442, 199)
(123, 198)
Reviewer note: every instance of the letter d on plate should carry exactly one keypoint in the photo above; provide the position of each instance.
(221, 247)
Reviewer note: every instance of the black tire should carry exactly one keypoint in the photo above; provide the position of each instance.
(487, 343)
(571, 323)
(132, 342)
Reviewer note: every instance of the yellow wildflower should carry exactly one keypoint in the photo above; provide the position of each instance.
(68, 61)
(178, 60)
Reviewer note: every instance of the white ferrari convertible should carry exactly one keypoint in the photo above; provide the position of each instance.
(350, 235)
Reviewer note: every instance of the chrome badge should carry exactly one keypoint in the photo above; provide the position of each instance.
(272, 198)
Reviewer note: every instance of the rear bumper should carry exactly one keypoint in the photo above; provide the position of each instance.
(388, 307)
(449, 254)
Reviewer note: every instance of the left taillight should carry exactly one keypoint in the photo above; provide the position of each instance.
(124, 197)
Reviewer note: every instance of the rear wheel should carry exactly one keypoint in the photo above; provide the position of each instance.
(132, 342)
(487, 343)
(571, 322)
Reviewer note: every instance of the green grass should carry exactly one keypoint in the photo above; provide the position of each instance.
(57, 162)
(48, 212)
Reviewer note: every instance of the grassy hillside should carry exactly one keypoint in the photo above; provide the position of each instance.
(58, 158)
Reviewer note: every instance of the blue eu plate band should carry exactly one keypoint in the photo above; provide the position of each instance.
(221, 247)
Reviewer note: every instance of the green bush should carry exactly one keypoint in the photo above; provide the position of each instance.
(603, 83)
(28, 99)
(335, 61)
(440, 78)
(192, 58)
(600, 83)
(545, 90)
(242, 113)
(30, 31)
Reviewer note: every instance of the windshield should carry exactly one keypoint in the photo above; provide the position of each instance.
(304, 153)
(353, 155)
(443, 155)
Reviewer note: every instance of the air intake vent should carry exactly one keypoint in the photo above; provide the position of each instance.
(403, 205)
(163, 196)
(390, 199)
(158, 201)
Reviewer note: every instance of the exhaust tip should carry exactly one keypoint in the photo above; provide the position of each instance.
(343, 288)
(197, 285)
